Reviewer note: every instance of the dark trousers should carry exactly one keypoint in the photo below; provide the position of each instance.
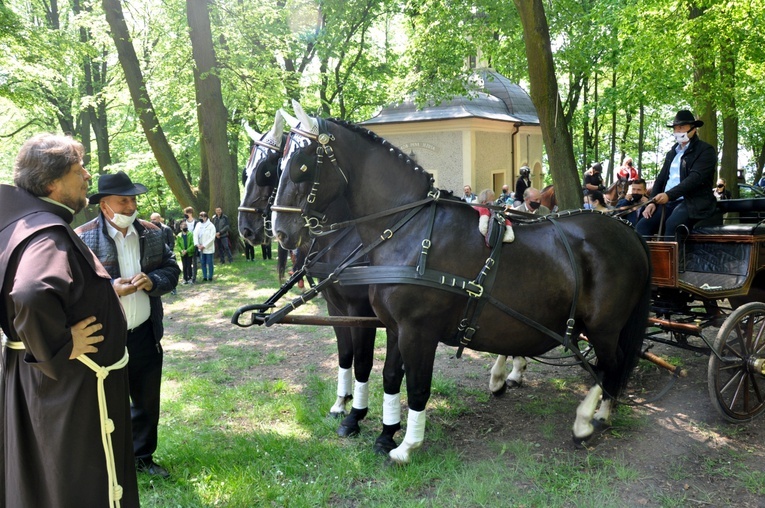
(223, 249)
(194, 266)
(266, 249)
(144, 377)
(675, 215)
(249, 251)
(187, 271)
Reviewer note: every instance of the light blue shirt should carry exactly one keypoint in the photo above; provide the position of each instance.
(674, 168)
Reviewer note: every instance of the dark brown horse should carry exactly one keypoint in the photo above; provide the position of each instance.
(563, 275)
(355, 346)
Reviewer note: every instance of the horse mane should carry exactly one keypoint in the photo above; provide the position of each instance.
(397, 153)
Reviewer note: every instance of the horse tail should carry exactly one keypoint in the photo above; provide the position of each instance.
(632, 334)
(282, 255)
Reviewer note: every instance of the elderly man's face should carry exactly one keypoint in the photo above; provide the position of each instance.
(124, 205)
(72, 188)
(467, 189)
(533, 197)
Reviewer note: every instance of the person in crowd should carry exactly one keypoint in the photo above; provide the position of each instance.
(468, 196)
(532, 203)
(595, 201)
(506, 197)
(628, 172)
(265, 249)
(191, 224)
(486, 197)
(222, 228)
(635, 200)
(593, 178)
(167, 232)
(721, 191)
(684, 184)
(62, 323)
(521, 184)
(204, 239)
(142, 269)
(186, 251)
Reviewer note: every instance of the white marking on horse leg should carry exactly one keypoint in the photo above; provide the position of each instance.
(361, 395)
(498, 373)
(516, 376)
(604, 412)
(415, 435)
(344, 380)
(583, 424)
(391, 409)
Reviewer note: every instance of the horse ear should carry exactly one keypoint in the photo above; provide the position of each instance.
(254, 135)
(291, 120)
(310, 124)
(278, 128)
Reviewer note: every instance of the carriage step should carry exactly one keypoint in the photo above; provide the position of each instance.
(674, 326)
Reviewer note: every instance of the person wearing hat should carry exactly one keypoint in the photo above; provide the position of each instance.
(521, 184)
(62, 323)
(142, 269)
(684, 185)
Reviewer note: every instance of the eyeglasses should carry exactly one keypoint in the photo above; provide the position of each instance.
(720, 185)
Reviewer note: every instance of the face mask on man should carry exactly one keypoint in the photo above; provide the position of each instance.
(185, 230)
(534, 205)
(681, 137)
(122, 221)
(637, 197)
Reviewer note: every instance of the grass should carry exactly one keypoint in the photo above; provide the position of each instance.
(234, 439)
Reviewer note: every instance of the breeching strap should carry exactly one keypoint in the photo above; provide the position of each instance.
(107, 425)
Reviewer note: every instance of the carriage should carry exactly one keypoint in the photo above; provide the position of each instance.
(598, 285)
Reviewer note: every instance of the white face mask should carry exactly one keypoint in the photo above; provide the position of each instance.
(681, 137)
(122, 221)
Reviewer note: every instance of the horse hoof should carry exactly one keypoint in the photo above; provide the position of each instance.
(600, 425)
(510, 383)
(337, 414)
(384, 446)
(581, 442)
(501, 391)
(348, 431)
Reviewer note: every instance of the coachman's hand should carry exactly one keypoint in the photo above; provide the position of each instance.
(83, 338)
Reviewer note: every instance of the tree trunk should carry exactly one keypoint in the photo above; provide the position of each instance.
(729, 162)
(213, 117)
(703, 52)
(143, 105)
(641, 139)
(544, 94)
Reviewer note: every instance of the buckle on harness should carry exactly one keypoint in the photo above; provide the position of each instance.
(386, 235)
(475, 294)
(467, 336)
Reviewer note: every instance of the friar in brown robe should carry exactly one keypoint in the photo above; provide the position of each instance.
(52, 452)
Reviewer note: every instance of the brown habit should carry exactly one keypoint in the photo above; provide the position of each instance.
(52, 453)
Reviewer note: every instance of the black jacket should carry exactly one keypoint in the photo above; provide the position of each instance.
(697, 177)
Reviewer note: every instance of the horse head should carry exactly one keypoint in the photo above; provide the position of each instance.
(308, 163)
(260, 177)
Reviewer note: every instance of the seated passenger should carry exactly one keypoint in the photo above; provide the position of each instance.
(635, 197)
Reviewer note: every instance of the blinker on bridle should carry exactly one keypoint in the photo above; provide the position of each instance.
(267, 146)
(313, 220)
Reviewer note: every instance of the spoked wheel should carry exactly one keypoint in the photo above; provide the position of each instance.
(736, 373)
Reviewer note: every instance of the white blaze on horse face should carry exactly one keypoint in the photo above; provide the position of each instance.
(309, 124)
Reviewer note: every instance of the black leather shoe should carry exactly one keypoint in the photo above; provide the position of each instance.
(152, 468)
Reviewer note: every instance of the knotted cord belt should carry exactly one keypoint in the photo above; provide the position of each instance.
(107, 425)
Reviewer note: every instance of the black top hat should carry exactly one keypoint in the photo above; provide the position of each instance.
(118, 184)
(685, 117)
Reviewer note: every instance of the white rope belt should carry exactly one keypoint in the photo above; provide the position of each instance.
(107, 425)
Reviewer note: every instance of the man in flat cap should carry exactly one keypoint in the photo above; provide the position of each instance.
(685, 182)
(142, 269)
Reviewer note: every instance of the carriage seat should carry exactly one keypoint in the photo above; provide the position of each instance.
(732, 230)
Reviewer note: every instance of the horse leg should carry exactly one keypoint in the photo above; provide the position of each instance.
(515, 379)
(419, 355)
(498, 373)
(602, 418)
(393, 374)
(363, 356)
(583, 428)
(344, 374)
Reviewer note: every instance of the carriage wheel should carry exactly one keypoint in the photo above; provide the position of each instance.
(735, 375)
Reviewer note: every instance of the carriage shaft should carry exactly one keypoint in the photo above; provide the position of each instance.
(674, 326)
(353, 321)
